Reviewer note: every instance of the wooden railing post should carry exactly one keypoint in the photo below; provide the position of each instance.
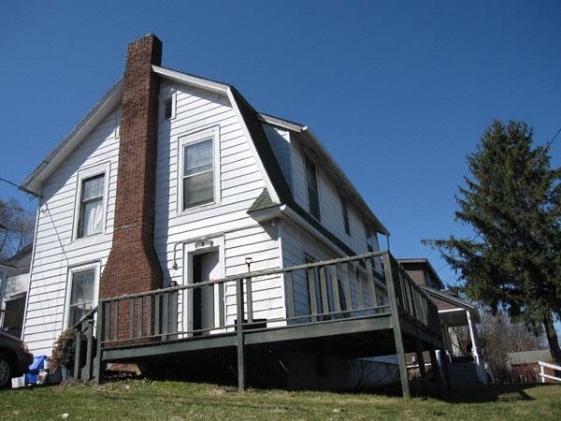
(78, 352)
(89, 349)
(240, 336)
(100, 339)
(394, 314)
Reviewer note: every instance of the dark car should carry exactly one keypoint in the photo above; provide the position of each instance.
(15, 359)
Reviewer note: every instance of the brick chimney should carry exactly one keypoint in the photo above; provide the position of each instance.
(133, 265)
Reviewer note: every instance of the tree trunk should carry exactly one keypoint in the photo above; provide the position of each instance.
(552, 338)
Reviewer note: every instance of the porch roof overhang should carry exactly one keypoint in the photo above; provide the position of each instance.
(457, 312)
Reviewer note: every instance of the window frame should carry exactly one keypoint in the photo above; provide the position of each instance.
(83, 175)
(192, 138)
(91, 266)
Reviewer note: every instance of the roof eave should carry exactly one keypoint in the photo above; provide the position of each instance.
(191, 80)
(454, 301)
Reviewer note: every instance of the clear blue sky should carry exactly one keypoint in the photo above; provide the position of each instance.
(398, 91)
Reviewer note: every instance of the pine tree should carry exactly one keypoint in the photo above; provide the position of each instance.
(512, 203)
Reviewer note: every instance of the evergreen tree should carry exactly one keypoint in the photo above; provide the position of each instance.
(512, 203)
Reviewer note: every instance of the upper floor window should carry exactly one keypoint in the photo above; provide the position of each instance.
(198, 174)
(91, 206)
(313, 191)
(345, 216)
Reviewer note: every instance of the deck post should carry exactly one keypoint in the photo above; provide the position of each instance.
(78, 352)
(394, 309)
(240, 336)
(89, 349)
(99, 334)
(435, 369)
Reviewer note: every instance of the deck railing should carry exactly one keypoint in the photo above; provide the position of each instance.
(319, 292)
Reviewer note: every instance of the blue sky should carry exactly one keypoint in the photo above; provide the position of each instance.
(397, 91)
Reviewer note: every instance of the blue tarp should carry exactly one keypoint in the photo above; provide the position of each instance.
(37, 365)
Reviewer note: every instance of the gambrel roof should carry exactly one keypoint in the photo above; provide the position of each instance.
(278, 190)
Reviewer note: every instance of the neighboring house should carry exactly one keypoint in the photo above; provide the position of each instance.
(14, 281)
(456, 315)
(174, 180)
(525, 367)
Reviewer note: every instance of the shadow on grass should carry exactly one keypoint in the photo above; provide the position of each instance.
(468, 393)
(481, 394)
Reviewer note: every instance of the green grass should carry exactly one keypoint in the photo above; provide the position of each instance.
(176, 401)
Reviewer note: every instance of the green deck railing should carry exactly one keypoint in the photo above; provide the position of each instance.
(368, 285)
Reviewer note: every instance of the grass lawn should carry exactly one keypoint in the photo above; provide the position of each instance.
(176, 401)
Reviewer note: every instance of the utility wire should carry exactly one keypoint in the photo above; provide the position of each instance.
(548, 144)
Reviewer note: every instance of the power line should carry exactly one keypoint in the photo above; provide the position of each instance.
(548, 144)
(11, 183)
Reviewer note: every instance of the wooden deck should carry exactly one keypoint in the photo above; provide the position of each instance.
(360, 306)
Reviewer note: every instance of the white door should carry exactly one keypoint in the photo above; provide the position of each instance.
(205, 267)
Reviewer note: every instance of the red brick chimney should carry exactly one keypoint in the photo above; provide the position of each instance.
(133, 265)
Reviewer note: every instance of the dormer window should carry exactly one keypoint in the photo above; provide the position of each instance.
(313, 191)
(345, 211)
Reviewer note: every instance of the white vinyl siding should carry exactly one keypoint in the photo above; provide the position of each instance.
(57, 247)
(331, 211)
(238, 182)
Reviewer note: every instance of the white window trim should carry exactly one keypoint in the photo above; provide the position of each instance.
(71, 271)
(84, 174)
(195, 137)
(162, 106)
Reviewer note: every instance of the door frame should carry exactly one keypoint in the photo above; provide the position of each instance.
(190, 249)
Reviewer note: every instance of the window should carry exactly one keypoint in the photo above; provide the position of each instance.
(198, 173)
(81, 294)
(345, 215)
(313, 192)
(91, 206)
(167, 107)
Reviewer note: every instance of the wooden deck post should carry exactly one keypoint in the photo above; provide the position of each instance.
(394, 309)
(435, 369)
(240, 336)
(98, 363)
(78, 352)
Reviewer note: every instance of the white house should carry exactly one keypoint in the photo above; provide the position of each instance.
(173, 179)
